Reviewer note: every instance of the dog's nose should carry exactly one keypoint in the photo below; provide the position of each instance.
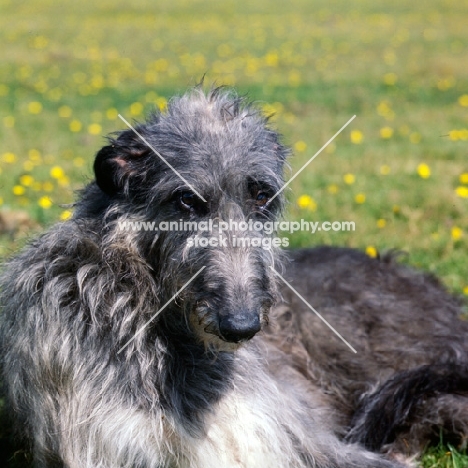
(239, 327)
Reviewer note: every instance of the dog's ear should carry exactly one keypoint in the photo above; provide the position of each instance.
(120, 162)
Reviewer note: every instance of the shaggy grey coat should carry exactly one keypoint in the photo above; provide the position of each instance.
(104, 369)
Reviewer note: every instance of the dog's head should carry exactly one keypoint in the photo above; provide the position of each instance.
(210, 161)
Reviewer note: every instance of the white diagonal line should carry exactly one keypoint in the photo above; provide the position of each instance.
(161, 157)
(161, 309)
(314, 311)
(312, 158)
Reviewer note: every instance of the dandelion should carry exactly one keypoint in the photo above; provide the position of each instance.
(64, 111)
(161, 103)
(271, 59)
(462, 192)
(1, 201)
(465, 290)
(333, 188)
(9, 121)
(385, 169)
(66, 214)
(18, 190)
(9, 158)
(26, 180)
(35, 107)
(78, 162)
(95, 129)
(424, 171)
(34, 155)
(456, 233)
(386, 133)
(463, 100)
(356, 137)
(75, 125)
(464, 178)
(415, 137)
(112, 113)
(381, 223)
(371, 251)
(396, 209)
(349, 179)
(47, 186)
(360, 198)
(300, 146)
(56, 172)
(136, 109)
(64, 181)
(390, 79)
(306, 202)
(45, 202)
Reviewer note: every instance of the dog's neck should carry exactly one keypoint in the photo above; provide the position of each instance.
(196, 378)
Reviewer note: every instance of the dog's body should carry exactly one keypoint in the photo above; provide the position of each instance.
(95, 379)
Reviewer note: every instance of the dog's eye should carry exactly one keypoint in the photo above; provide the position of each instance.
(187, 200)
(261, 199)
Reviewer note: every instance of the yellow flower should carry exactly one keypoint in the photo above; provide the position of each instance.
(360, 198)
(356, 137)
(271, 59)
(386, 133)
(28, 166)
(64, 181)
(75, 125)
(26, 180)
(47, 186)
(333, 188)
(462, 192)
(390, 79)
(19, 190)
(385, 169)
(35, 107)
(45, 202)
(1, 201)
(112, 113)
(64, 111)
(95, 129)
(306, 202)
(463, 100)
(395, 209)
(424, 171)
(300, 146)
(161, 103)
(136, 109)
(349, 179)
(57, 172)
(415, 137)
(9, 158)
(465, 290)
(464, 178)
(66, 214)
(9, 121)
(34, 155)
(456, 233)
(78, 162)
(372, 251)
(381, 223)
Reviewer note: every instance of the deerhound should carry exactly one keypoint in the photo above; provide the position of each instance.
(128, 346)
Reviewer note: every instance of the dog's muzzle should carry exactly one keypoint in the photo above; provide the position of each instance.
(235, 328)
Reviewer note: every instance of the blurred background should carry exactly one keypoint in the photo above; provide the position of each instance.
(399, 170)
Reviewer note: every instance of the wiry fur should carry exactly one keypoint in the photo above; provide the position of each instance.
(182, 394)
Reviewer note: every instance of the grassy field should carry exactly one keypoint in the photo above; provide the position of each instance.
(399, 170)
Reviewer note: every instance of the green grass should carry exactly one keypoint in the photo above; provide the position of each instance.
(398, 67)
